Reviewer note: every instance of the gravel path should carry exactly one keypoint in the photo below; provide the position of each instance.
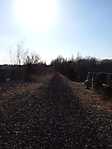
(55, 119)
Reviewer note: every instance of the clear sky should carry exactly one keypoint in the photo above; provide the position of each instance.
(71, 26)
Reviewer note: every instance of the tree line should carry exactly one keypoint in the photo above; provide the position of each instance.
(28, 64)
(77, 69)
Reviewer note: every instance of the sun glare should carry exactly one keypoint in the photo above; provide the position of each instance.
(37, 15)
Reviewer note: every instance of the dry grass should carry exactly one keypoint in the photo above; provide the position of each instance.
(89, 97)
(50, 114)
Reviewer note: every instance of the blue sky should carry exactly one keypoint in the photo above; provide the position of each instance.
(83, 26)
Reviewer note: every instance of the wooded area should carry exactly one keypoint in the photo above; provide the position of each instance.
(75, 69)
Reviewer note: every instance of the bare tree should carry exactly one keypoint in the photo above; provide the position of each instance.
(23, 56)
(32, 59)
(19, 53)
(10, 56)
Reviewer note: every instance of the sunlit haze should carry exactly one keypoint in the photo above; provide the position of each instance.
(56, 27)
(35, 15)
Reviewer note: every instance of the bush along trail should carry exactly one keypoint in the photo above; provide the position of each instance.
(55, 119)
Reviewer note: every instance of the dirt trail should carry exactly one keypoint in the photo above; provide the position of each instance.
(89, 97)
(55, 118)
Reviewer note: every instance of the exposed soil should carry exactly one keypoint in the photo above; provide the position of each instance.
(49, 115)
(90, 97)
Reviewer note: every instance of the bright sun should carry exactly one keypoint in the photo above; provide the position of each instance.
(37, 15)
